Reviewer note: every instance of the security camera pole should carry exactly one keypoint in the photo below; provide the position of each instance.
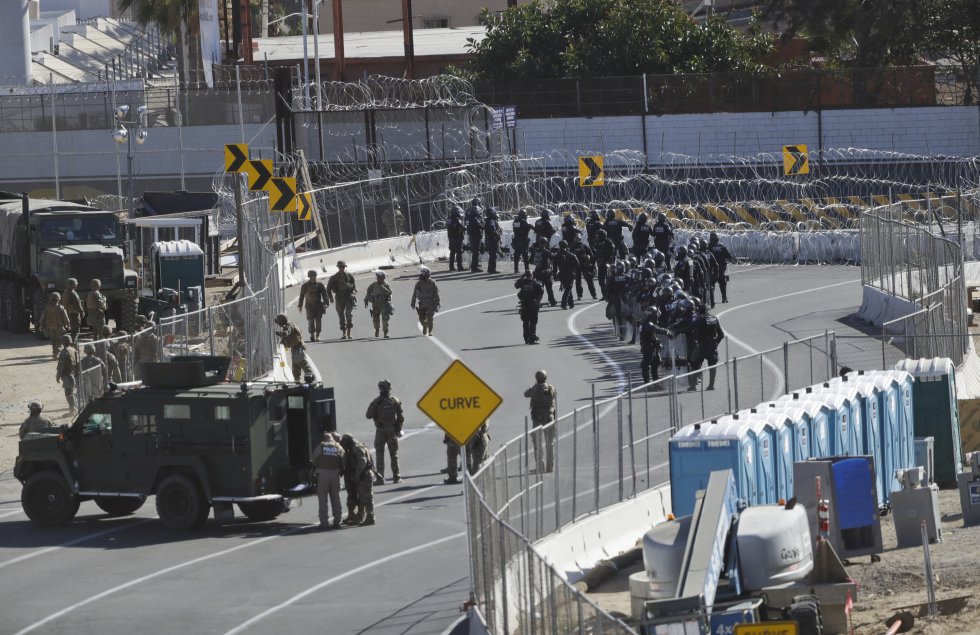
(121, 135)
(239, 222)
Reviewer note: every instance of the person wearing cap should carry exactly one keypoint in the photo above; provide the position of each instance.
(36, 423)
(55, 321)
(93, 373)
(342, 291)
(386, 411)
(73, 306)
(378, 296)
(292, 340)
(68, 365)
(425, 299)
(95, 306)
(544, 401)
(328, 459)
(314, 296)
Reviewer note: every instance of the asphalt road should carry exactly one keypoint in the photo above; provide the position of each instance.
(408, 573)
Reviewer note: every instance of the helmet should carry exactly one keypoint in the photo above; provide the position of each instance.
(66, 339)
(562, 244)
(545, 214)
(600, 234)
(641, 219)
(647, 273)
(713, 238)
(35, 405)
(281, 319)
(631, 261)
(492, 212)
(380, 274)
(692, 248)
(697, 302)
(96, 283)
(456, 211)
(702, 308)
(341, 263)
(105, 331)
(311, 273)
(120, 333)
(568, 220)
(661, 218)
(89, 349)
(681, 252)
(610, 214)
(521, 214)
(594, 214)
(620, 266)
(72, 283)
(542, 241)
(347, 441)
(679, 294)
(540, 376)
(424, 271)
(54, 297)
(384, 384)
(685, 305)
(476, 202)
(703, 244)
(652, 312)
(648, 263)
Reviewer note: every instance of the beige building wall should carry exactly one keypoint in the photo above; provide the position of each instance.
(386, 15)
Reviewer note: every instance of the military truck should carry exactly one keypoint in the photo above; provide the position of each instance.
(45, 242)
(188, 438)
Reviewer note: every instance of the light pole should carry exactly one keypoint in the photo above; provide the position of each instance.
(121, 135)
(306, 58)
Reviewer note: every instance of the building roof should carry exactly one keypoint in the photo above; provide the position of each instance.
(376, 44)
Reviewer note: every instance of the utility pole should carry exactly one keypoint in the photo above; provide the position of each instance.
(408, 31)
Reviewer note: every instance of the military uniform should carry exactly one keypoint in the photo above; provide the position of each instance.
(452, 460)
(477, 449)
(146, 348)
(425, 299)
(121, 350)
(358, 475)
(56, 323)
(34, 424)
(386, 411)
(93, 374)
(103, 350)
(722, 258)
(314, 296)
(378, 295)
(95, 306)
(66, 373)
(292, 340)
(328, 459)
(491, 238)
(544, 399)
(342, 291)
(72, 303)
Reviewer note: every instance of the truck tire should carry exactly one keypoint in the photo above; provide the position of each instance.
(128, 310)
(47, 499)
(37, 310)
(261, 510)
(805, 609)
(19, 323)
(4, 305)
(180, 503)
(119, 506)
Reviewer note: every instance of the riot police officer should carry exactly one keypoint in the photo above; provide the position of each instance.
(491, 238)
(474, 232)
(529, 294)
(569, 232)
(456, 232)
(722, 257)
(663, 237)
(614, 231)
(542, 258)
(706, 334)
(683, 269)
(698, 271)
(566, 266)
(592, 225)
(616, 295)
(642, 234)
(650, 345)
(521, 241)
(543, 227)
(711, 266)
(605, 254)
(586, 267)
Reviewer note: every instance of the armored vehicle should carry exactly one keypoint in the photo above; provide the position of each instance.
(45, 242)
(188, 438)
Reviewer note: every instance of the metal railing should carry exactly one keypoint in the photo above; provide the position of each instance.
(606, 450)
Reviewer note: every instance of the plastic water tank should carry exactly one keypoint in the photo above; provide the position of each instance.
(774, 545)
(663, 551)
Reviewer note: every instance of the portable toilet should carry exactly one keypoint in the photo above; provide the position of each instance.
(784, 450)
(815, 435)
(767, 480)
(935, 412)
(872, 397)
(821, 428)
(895, 433)
(697, 449)
(840, 423)
(852, 432)
(797, 420)
(903, 393)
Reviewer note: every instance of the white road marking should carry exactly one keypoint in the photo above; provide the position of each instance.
(71, 543)
(319, 587)
(570, 324)
(11, 513)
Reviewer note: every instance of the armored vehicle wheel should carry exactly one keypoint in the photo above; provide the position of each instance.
(180, 503)
(128, 309)
(47, 499)
(37, 311)
(261, 510)
(805, 609)
(4, 305)
(18, 312)
(119, 506)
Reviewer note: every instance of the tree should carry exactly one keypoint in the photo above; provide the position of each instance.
(609, 37)
(176, 19)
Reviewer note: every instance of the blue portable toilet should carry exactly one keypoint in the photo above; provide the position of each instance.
(797, 420)
(767, 478)
(821, 429)
(897, 450)
(936, 413)
(784, 430)
(905, 408)
(873, 421)
(698, 449)
(851, 430)
(839, 420)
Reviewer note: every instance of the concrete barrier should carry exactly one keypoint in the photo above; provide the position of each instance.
(282, 367)
(878, 307)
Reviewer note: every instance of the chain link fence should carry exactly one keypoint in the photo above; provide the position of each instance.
(605, 451)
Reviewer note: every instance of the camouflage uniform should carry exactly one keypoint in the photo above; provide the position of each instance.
(425, 298)
(477, 449)
(121, 350)
(386, 411)
(543, 402)
(342, 291)
(146, 348)
(35, 424)
(66, 373)
(314, 296)
(328, 459)
(378, 295)
(103, 350)
(56, 322)
(73, 306)
(292, 340)
(96, 305)
(93, 374)
(358, 474)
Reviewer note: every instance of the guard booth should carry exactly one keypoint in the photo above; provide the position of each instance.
(935, 412)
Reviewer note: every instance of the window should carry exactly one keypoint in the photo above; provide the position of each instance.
(296, 402)
(222, 413)
(142, 425)
(435, 22)
(176, 411)
(98, 423)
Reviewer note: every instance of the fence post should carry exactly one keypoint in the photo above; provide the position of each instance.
(785, 368)
(556, 453)
(574, 463)
(503, 587)
(595, 450)
(832, 370)
(526, 477)
(619, 443)
(735, 379)
(629, 397)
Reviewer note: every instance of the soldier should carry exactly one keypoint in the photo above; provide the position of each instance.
(520, 241)
(663, 237)
(605, 254)
(386, 411)
(592, 225)
(544, 400)
(722, 257)
(121, 350)
(67, 372)
(394, 221)
(642, 234)
(95, 307)
(378, 295)
(342, 291)
(358, 471)
(456, 232)
(452, 460)
(543, 228)
(569, 232)
(566, 265)
(102, 349)
(491, 238)
(35, 424)
(614, 231)
(314, 295)
(650, 345)
(477, 449)
(93, 373)
(541, 258)
(706, 334)
(73, 306)
(425, 299)
(474, 233)
(586, 267)
(292, 340)
(55, 321)
(529, 296)
(147, 344)
(328, 459)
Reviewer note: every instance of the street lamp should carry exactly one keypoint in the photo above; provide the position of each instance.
(121, 135)
(316, 48)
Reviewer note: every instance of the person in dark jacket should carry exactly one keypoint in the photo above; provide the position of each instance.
(521, 241)
(456, 232)
(543, 227)
(474, 232)
(491, 238)
(642, 234)
(566, 266)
